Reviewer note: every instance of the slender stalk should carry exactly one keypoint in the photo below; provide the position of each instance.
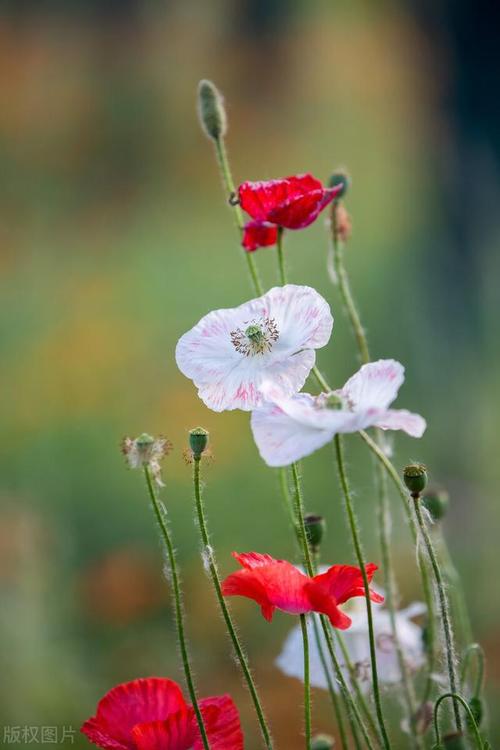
(160, 514)
(307, 682)
(281, 256)
(443, 606)
(362, 565)
(459, 605)
(430, 628)
(345, 290)
(209, 559)
(325, 623)
(474, 648)
(230, 190)
(383, 499)
(457, 699)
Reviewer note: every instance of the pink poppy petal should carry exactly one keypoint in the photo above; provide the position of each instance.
(375, 385)
(401, 419)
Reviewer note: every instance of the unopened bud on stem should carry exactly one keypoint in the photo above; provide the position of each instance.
(454, 741)
(322, 742)
(415, 478)
(315, 530)
(340, 178)
(211, 110)
(436, 502)
(198, 441)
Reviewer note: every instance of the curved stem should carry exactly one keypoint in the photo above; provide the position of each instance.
(345, 290)
(443, 605)
(281, 256)
(209, 559)
(362, 565)
(160, 514)
(230, 190)
(307, 682)
(474, 648)
(325, 623)
(457, 699)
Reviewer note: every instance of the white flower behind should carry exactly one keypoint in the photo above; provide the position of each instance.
(287, 428)
(230, 353)
(290, 661)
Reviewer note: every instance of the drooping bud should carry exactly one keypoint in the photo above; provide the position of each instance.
(315, 529)
(211, 110)
(415, 478)
(198, 441)
(340, 178)
(322, 742)
(476, 707)
(455, 741)
(436, 502)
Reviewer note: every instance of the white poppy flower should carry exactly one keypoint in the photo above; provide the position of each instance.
(230, 353)
(290, 661)
(287, 428)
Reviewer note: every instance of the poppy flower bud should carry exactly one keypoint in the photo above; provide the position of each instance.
(455, 741)
(436, 502)
(476, 707)
(198, 441)
(340, 178)
(211, 110)
(315, 529)
(415, 478)
(322, 742)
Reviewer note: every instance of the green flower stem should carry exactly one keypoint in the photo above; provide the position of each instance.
(325, 623)
(430, 644)
(443, 606)
(230, 190)
(457, 594)
(160, 514)
(345, 290)
(321, 380)
(383, 499)
(307, 682)
(281, 256)
(361, 562)
(209, 557)
(474, 648)
(456, 700)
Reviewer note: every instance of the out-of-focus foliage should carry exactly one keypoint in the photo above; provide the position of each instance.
(115, 239)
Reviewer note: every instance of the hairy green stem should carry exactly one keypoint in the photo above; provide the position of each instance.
(351, 517)
(325, 623)
(457, 699)
(230, 190)
(443, 606)
(307, 682)
(209, 559)
(160, 514)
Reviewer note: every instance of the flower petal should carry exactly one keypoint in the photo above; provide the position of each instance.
(259, 234)
(346, 581)
(178, 732)
(375, 385)
(222, 723)
(227, 378)
(260, 198)
(128, 704)
(400, 419)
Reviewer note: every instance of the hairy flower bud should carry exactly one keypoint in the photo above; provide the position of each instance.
(455, 741)
(415, 478)
(198, 441)
(315, 529)
(322, 742)
(436, 502)
(476, 707)
(340, 178)
(211, 110)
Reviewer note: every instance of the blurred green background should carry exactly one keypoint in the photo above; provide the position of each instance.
(115, 239)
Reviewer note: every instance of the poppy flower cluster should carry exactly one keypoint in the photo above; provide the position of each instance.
(277, 584)
(290, 203)
(151, 714)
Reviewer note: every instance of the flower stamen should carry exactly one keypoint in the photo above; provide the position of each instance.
(257, 338)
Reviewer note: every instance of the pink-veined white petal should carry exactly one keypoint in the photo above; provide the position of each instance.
(376, 384)
(401, 419)
(220, 359)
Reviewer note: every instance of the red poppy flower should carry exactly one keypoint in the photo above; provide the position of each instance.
(292, 202)
(277, 584)
(151, 714)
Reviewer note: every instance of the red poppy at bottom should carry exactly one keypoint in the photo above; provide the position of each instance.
(151, 714)
(277, 584)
